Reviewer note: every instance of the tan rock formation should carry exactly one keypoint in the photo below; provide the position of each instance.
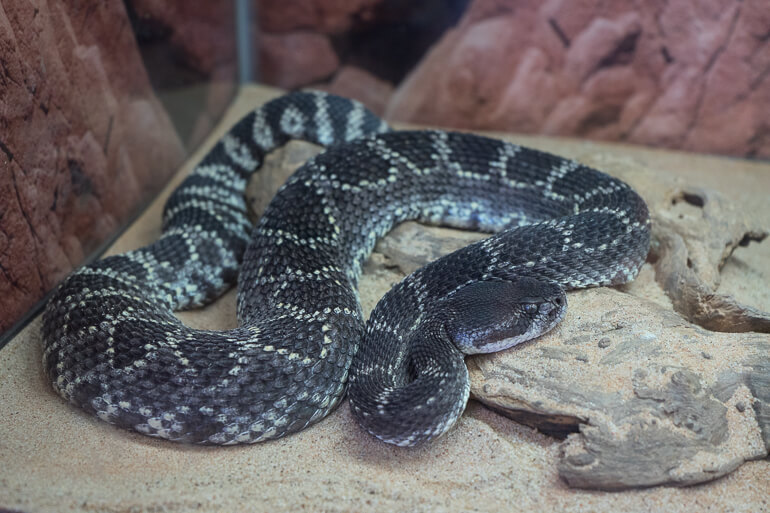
(649, 399)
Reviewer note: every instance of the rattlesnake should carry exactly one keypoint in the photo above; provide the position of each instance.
(113, 346)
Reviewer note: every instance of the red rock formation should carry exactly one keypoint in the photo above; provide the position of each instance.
(689, 74)
(294, 40)
(201, 32)
(295, 59)
(195, 43)
(360, 85)
(83, 141)
(326, 16)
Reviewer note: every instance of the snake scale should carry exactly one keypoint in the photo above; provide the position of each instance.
(113, 346)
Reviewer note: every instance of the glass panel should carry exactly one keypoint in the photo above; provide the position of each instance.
(100, 102)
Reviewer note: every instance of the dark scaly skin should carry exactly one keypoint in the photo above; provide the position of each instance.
(583, 229)
(113, 347)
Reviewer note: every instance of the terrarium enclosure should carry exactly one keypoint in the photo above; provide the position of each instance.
(646, 388)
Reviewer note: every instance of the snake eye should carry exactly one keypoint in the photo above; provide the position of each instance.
(530, 308)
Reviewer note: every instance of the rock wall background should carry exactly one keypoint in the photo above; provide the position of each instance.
(686, 74)
(84, 140)
(92, 122)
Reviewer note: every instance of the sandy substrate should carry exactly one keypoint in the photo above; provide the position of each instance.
(54, 458)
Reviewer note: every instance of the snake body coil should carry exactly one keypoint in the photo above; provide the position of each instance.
(113, 346)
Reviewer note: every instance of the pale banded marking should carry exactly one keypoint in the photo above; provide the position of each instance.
(223, 196)
(262, 132)
(355, 121)
(293, 121)
(443, 156)
(277, 233)
(323, 123)
(234, 221)
(223, 174)
(239, 153)
(505, 153)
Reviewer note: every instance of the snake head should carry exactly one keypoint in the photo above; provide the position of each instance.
(489, 316)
